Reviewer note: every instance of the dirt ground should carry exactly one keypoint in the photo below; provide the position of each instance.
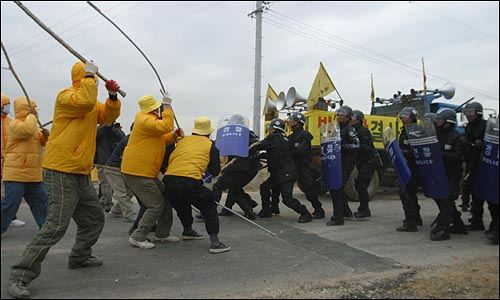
(473, 279)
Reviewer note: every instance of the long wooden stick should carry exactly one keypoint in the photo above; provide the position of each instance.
(11, 68)
(162, 90)
(60, 40)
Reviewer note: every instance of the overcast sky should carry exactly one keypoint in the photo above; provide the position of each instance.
(204, 51)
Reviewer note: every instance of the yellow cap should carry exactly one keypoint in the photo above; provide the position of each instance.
(148, 103)
(202, 126)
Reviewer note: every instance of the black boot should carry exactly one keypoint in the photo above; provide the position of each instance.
(318, 214)
(457, 226)
(363, 213)
(305, 217)
(335, 221)
(225, 213)
(440, 232)
(408, 226)
(265, 212)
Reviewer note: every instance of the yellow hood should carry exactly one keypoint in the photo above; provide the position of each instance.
(21, 107)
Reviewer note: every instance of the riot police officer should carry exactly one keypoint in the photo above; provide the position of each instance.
(300, 143)
(282, 168)
(365, 163)
(349, 145)
(408, 195)
(236, 176)
(451, 144)
(474, 135)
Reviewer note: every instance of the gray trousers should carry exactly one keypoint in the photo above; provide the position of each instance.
(150, 192)
(70, 196)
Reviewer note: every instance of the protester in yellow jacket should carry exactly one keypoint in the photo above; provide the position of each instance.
(141, 164)
(23, 165)
(5, 124)
(68, 160)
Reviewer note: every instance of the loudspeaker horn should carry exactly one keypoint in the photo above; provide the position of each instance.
(271, 106)
(293, 98)
(281, 102)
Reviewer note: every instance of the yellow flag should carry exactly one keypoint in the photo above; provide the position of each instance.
(372, 94)
(425, 77)
(270, 95)
(322, 86)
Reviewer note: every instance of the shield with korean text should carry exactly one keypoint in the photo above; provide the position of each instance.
(331, 162)
(487, 180)
(428, 158)
(232, 136)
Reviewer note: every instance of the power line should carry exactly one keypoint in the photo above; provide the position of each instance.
(410, 72)
(458, 22)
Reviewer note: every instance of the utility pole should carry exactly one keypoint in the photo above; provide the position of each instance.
(258, 70)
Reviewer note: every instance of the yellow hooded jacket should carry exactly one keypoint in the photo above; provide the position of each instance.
(5, 124)
(71, 145)
(146, 146)
(23, 154)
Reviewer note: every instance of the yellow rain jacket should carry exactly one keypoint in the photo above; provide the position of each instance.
(5, 124)
(146, 146)
(190, 157)
(71, 145)
(23, 154)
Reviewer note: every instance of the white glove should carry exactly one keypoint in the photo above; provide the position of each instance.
(167, 99)
(91, 67)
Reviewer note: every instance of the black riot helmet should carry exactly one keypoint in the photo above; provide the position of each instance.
(473, 108)
(430, 116)
(297, 116)
(409, 112)
(358, 115)
(277, 123)
(344, 110)
(448, 115)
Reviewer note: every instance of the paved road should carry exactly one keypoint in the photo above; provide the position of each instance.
(258, 262)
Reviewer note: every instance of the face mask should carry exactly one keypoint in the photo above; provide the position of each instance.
(6, 109)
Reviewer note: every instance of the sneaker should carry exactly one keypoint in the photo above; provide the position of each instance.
(115, 215)
(17, 223)
(169, 239)
(192, 235)
(146, 244)
(19, 289)
(218, 248)
(91, 261)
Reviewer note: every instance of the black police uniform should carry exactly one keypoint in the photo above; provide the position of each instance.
(236, 176)
(409, 194)
(282, 169)
(448, 220)
(349, 146)
(365, 163)
(300, 144)
(474, 135)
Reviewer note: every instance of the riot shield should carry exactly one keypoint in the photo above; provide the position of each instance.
(397, 159)
(331, 164)
(487, 181)
(232, 136)
(428, 159)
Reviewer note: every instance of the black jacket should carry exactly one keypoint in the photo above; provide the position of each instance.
(473, 144)
(106, 140)
(279, 157)
(366, 153)
(451, 144)
(349, 144)
(300, 145)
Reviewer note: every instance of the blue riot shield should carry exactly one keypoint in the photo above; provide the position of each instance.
(429, 159)
(331, 163)
(487, 180)
(397, 159)
(232, 136)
